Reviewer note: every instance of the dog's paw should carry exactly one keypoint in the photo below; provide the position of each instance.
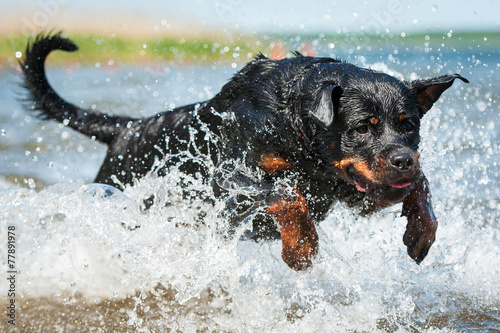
(298, 258)
(422, 223)
(419, 236)
(298, 233)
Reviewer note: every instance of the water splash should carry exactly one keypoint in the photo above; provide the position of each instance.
(91, 256)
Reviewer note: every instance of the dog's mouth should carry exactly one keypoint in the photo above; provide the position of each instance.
(363, 186)
(386, 191)
(379, 182)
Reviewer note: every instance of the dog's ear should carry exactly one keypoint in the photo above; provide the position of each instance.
(428, 91)
(323, 111)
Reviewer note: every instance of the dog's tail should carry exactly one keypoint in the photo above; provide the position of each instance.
(50, 105)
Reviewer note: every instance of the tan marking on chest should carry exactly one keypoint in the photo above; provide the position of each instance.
(272, 163)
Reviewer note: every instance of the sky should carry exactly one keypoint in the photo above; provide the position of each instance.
(271, 15)
(351, 14)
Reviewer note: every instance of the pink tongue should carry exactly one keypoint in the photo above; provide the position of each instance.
(401, 185)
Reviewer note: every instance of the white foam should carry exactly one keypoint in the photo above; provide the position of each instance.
(77, 239)
(96, 242)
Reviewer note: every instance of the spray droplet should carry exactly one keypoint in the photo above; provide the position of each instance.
(31, 183)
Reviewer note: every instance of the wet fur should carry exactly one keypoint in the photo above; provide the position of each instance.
(302, 118)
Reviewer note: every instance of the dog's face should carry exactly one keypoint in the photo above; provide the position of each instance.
(378, 123)
(367, 124)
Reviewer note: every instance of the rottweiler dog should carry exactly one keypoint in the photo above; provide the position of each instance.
(287, 139)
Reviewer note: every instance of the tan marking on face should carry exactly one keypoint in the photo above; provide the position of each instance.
(361, 168)
(402, 116)
(374, 120)
(332, 145)
(272, 163)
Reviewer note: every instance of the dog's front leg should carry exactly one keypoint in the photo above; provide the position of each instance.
(298, 233)
(422, 223)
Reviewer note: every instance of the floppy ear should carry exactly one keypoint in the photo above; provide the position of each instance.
(428, 91)
(324, 110)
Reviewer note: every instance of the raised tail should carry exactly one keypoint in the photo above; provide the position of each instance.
(50, 105)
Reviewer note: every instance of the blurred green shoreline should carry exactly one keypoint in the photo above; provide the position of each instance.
(240, 49)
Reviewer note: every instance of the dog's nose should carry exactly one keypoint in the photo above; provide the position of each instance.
(402, 162)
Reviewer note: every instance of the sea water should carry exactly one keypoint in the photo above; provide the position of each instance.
(90, 258)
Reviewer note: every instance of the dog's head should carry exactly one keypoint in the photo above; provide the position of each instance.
(365, 125)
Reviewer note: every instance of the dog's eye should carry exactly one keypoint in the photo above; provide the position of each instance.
(363, 129)
(408, 127)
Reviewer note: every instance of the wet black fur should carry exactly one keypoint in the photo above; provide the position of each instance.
(295, 108)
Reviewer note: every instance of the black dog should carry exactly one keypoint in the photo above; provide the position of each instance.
(305, 127)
